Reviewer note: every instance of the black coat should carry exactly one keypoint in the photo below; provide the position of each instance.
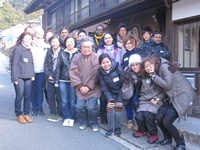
(125, 60)
(21, 64)
(112, 82)
(48, 64)
(63, 65)
(160, 50)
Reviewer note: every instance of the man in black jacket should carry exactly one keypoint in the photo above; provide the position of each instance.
(157, 47)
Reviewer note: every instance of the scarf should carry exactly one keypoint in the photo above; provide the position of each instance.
(97, 38)
(55, 56)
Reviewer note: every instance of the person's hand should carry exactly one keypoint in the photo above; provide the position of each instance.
(173, 67)
(154, 101)
(152, 75)
(127, 78)
(125, 68)
(84, 90)
(136, 104)
(119, 106)
(16, 83)
(33, 78)
(110, 105)
(51, 78)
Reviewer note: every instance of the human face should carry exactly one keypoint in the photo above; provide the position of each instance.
(86, 48)
(106, 64)
(55, 43)
(135, 67)
(81, 35)
(99, 31)
(130, 45)
(157, 38)
(146, 36)
(75, 35)
(39, 35)
(27, 40)
(108, 39)
(30, 30)
(122, 32)
(149, 67)
(70, 44)
(64, 33)
(48, 36)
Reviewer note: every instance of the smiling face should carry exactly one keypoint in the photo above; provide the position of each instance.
(149, 67)
(81, 35)
(130, 45)
(157, 38)
(122, 31)
(27, 40)
(70, 44)
(99, 31)
(108, 39)
(48, 36)
(64, 33)
(106, 64)
(135, 67)
(55, 43)
(146, 36)
(86, 48)
(39, 35)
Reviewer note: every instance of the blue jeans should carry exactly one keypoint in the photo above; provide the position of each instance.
(129, 109)
(87, 111)
(68, 99)
(23, 91)
(37, 91)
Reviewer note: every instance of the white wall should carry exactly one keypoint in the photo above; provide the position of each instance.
(185, 9)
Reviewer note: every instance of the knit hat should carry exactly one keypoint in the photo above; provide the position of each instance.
(135, 58)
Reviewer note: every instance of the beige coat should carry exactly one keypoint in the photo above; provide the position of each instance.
(85, 72)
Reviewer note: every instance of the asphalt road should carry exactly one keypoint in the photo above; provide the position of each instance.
(42, 134)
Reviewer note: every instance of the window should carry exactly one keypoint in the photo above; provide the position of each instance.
(188, 45)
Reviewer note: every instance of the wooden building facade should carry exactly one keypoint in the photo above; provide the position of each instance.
(178, 20)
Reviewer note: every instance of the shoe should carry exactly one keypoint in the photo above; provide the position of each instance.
(130, 124)
(51, 117)
(41, 113)
(66, 122)
(95, 129)
(136, 127)
(34, 112)
(109, 133)
(28, 119)
(71, 123)
(118, 132)
(56, 118)
(82, 127)
(180, 144)
(153, 138)
(164, 142)
(139, 134)
(104, 119)
(21, 119)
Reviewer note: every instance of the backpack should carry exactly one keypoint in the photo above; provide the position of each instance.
(115, 51)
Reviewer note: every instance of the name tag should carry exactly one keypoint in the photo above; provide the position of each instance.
(125, 59)
(162, 51)
(25, 59)
(116, 79)
(148, 81)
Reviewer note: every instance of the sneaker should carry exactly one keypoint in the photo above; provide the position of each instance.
(95, 129)
(66, 122)
(118, 132)
(139, 134)
(57, 118)
(71, 123)
(82, 127)
(153, 138)
(41, 113)
(164, 142)
(51, 117)
(34, 112)
(109, 133)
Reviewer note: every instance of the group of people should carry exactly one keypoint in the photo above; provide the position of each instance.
(76, 71)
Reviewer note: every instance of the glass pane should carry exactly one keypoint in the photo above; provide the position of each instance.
(110, 3)
(85, 11)
(58, 14)
(180, 44)
(66, 10)
(95, 8)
